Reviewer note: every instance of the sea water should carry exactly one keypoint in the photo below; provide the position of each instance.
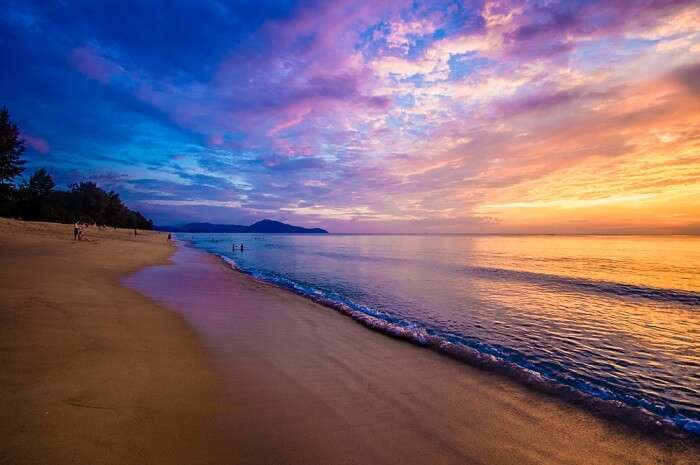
(612, 320)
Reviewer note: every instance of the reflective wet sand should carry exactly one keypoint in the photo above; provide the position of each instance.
(308, 385)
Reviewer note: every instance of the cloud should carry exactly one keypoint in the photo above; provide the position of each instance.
(689, 76)
(193, 203)
(37, 143)
(376, 114)
(364, 213)
(567, 202)
(94, 65)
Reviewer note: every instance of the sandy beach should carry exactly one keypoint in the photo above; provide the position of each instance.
(189, 362)
(93, 372)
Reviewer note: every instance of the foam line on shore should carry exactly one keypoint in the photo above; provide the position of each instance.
(630, 410)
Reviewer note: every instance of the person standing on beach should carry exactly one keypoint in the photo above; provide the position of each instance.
(76, 231)
(170, 236)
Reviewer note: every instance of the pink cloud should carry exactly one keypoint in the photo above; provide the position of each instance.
(37, 143)
(216, 139)
(92, 64)
(291, 122)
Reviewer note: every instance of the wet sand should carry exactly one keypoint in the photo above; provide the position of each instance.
(92, 372)
(306, 385)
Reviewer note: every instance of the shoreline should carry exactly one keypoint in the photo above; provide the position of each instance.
(93, 372)
(640, 421)
(475, 415)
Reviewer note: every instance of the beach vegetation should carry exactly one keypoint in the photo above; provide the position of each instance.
(38, 199)
(11, 149)
(11, 163)
(85, 202)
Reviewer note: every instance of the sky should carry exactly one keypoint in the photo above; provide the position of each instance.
(368, 116)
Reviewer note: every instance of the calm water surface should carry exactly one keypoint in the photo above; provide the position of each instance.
(615, 318)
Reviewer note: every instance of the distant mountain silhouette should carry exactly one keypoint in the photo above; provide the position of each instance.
(270, 226)
(264, 226)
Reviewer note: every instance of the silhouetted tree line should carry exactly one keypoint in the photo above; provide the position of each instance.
(38, 199)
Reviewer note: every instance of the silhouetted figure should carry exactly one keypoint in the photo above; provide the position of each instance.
(241, 247)
(170, 236)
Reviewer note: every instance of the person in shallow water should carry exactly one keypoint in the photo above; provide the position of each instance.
(241, 247)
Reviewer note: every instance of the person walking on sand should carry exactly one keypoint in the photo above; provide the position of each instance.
(76, 231)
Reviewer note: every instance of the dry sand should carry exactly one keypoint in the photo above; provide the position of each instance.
(310, 386)
(94, 373)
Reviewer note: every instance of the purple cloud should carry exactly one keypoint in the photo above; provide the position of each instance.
(39, 144)
(94, 65)
(370, 112)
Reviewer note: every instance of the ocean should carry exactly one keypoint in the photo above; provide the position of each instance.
(611, 321)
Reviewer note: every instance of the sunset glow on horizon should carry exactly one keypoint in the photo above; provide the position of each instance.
(369, 116)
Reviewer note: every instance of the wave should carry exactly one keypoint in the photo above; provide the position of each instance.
(588, 285)
(643, 413)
